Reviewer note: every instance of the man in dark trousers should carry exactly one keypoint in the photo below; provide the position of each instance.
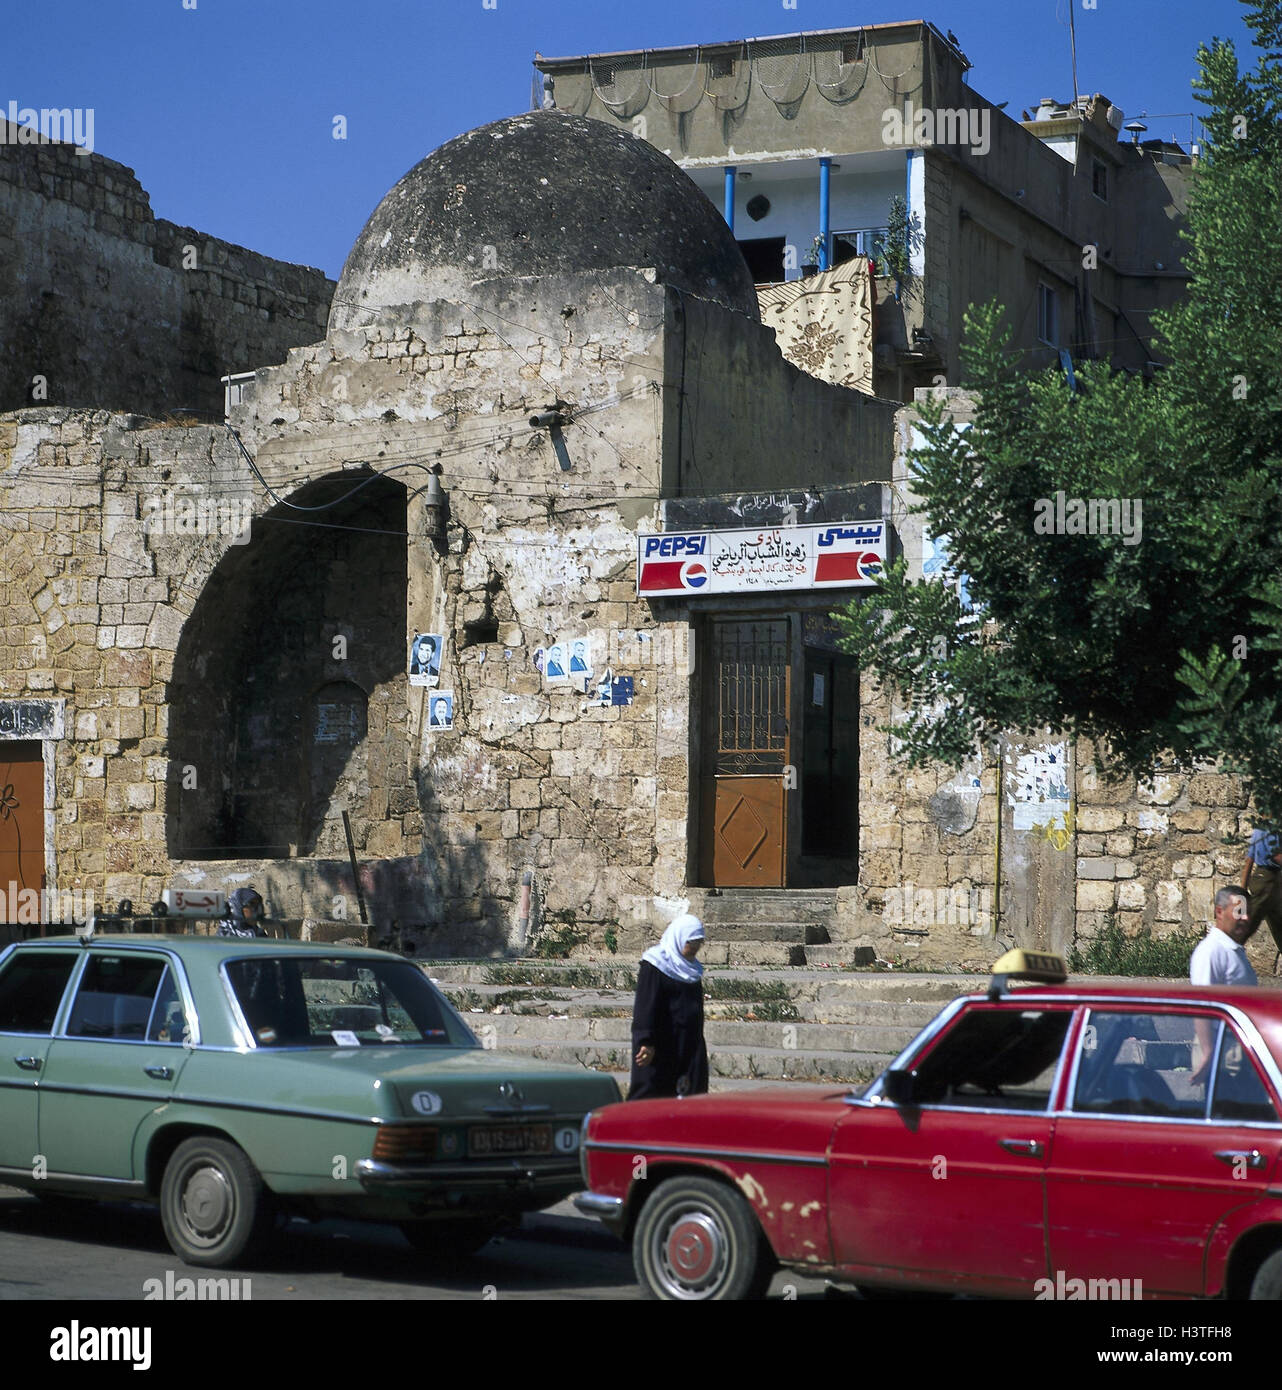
(669, 1057)
(1262, 879)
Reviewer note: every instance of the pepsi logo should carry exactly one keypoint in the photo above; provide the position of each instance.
(694, 574)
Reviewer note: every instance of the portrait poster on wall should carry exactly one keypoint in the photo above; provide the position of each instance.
(425, 658)
(441, 710)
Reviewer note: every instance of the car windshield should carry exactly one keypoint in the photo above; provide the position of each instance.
(312, 1001)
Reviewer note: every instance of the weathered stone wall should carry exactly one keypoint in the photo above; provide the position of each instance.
(1154, 851)
(756, 421)
(110, 306)
(98, 606)
(927, 862)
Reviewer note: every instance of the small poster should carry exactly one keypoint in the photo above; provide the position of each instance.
(425, 658)
(555, 665)
(580, 657)
(612, 690)
(602, 696)
(441, 710)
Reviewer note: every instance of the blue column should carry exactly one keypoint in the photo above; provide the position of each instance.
(825, 251)
(729, 199)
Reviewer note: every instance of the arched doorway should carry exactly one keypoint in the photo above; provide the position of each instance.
(314, 603)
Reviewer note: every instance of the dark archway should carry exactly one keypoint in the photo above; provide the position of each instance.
(296, 642)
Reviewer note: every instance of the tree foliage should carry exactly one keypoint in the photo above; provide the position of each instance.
(1172, 644)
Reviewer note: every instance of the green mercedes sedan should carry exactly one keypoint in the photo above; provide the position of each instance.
(227, 1079)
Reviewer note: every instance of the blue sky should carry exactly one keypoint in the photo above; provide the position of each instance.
(225, 111)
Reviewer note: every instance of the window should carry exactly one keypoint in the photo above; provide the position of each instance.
(1047, 315)
(1239, 1093)
(868, 242)
(31, 988)
(720, 67)
(115, 997)
(852, 51)
(1099, 179)
(168, 1021)
(342, 1002)
(1140, 1064)
(1001, 1058)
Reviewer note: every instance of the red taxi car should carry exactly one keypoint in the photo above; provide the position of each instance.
(1052, 1141)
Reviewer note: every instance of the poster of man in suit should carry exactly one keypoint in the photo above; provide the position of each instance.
(441, 706)
(425, 658)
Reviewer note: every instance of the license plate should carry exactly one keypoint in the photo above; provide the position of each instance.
(509, 1139)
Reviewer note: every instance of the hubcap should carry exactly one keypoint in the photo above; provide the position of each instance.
(207, 1204)
(694, 1254)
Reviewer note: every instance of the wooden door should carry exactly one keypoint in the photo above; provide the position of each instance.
(746, 757)
(22, 817)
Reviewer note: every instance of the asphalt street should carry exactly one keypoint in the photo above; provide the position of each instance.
(118, 1251)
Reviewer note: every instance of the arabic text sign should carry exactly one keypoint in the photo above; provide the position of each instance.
(837, 555)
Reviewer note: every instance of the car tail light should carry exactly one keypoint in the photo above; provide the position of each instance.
(397, 1142)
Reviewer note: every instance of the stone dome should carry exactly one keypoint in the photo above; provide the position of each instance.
(545, 192)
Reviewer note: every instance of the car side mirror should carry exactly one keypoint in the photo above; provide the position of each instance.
(900, 1087)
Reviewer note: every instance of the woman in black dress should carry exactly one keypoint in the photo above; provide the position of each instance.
(669, 1057)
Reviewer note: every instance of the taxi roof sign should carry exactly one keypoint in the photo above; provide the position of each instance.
(1041, 966)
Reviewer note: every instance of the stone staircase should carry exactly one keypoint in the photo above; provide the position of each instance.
(767, 926)
(766, 1024)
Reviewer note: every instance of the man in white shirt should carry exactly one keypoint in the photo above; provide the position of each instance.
(1220, 959)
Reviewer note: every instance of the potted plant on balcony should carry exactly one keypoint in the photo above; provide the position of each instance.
(897, 247)
(810, 261)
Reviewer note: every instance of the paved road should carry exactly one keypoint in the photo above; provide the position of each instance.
(105, 1251)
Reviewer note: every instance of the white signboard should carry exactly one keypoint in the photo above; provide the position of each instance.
(847, 554)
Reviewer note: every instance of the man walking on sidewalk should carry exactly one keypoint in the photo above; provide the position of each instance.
(1262, 878)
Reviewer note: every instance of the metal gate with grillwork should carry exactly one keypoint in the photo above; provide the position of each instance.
(744, 791)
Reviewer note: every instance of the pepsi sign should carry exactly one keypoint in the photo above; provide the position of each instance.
(847, 554)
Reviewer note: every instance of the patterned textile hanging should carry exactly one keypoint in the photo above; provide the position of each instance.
(824, 324)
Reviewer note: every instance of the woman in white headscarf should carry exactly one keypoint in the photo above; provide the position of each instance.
(669, 1057)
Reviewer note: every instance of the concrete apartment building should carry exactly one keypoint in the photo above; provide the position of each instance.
(804, 139)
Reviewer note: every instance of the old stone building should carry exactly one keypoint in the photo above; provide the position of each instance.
(525, 570)
(544, 338)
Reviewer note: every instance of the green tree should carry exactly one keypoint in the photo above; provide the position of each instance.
(1170, 642)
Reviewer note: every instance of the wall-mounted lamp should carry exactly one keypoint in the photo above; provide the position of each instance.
(435, 510)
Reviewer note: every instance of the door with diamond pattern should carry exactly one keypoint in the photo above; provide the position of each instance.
(746, 753)
(22, 845)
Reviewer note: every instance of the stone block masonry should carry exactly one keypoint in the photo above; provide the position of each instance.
(103, 304)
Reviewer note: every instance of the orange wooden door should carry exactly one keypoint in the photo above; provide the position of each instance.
(746, 741)
(22, 805)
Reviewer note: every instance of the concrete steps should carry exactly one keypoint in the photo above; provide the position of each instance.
(765, 1063)
(781, 1002)
(731, 1035)
(764, 1024)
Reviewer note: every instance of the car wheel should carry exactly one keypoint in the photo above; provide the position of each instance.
(448, 1240)
(1267, 1284)
(697, 1239)
(212, 1203)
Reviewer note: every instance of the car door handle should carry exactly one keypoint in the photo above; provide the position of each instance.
(1031, 1147)
(28, 1063)
(1253, 1158)
(160, 1073)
